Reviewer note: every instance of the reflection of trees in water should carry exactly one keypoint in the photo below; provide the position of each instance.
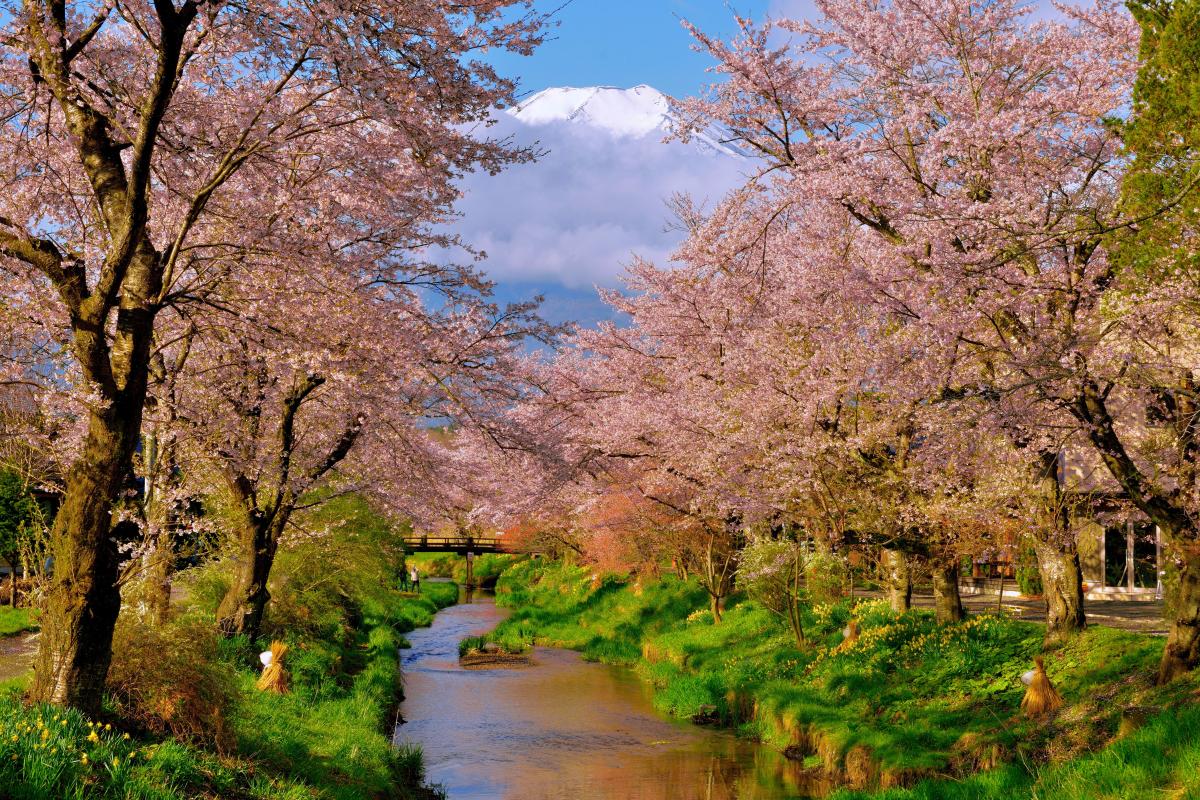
(774, 772)
(736, 770)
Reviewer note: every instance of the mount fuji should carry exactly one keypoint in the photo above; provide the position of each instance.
(638, 112)
(596, 197)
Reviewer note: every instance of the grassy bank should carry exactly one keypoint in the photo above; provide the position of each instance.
(487, 567)
(910, 704)
(1161, 759)
(184, 720)
(17, 620)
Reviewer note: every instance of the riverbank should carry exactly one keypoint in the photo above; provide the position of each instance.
(564, 727)
(328, 738)
(185, 721)
(914, 708)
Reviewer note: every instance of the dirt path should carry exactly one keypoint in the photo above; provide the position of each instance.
(16, 655)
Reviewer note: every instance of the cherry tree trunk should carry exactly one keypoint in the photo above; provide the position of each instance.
(1062, 585)
(158, 578)
(897, 579)
(1182, 653)
(1057, 554)
(714, 603)
(83, 600)
(161, 466)
(12, 559)
(947, 602)
(241, 610)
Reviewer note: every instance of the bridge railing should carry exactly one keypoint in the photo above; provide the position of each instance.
(452, 543)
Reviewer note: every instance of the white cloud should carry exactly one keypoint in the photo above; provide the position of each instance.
(579, 214)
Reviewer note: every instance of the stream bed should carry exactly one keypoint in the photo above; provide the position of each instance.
(565, 729)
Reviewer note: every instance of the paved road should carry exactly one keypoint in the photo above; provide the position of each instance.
(1130, 615)
(16, 655)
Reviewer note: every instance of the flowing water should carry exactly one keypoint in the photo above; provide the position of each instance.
(565, 729)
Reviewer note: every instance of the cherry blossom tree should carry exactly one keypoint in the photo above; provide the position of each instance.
(136, 133)
(291, 383)
(962, 154)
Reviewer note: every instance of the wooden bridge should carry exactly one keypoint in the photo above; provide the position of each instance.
(415, 543)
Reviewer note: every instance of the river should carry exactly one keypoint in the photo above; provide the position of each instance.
(564, 729)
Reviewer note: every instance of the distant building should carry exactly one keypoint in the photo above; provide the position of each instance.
(1120, 550)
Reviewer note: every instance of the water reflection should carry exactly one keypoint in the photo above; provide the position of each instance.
(565, 729)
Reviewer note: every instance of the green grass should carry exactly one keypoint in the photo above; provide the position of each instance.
(54, 754)
(487, 567)
(335, 603)
(17, 620)
(334, 736)
(507, 644)
(1162, 759)
(328, 738)
(912, 700)
(14, 688)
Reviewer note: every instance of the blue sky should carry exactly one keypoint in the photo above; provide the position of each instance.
(627, 42)
(572, 221)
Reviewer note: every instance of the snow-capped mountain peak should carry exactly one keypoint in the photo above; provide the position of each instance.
(622, 113)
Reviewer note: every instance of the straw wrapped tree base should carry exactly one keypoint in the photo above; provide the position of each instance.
(275, 678)
(1041, 696)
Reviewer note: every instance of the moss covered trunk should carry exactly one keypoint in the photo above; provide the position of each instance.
(1057, 554)
(897, 579)
(947, 602)
(1062, 586)
(1182, 652)
(158, 577)
(241, 610)
(83, 601)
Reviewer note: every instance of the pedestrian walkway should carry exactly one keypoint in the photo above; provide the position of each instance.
(1131, 615)
(16, 655)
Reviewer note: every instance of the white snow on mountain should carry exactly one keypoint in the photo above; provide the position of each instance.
(624, 113)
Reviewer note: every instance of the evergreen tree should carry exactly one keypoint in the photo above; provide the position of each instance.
(19, 514)
(1163, 138)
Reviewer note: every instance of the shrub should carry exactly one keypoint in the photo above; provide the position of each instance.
(410, 763)
(170, 679)
(433, 565)
(206, 585)
(28, 591)
(825, 576)
(1029, 577)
